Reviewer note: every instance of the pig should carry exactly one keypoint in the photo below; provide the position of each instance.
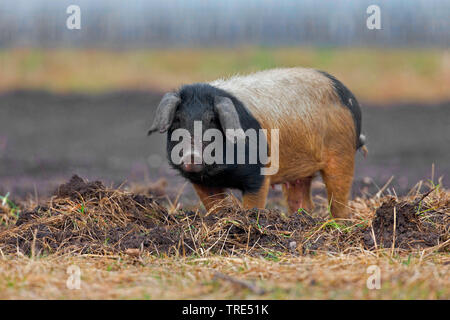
(315, 118)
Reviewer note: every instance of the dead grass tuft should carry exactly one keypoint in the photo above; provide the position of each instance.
(88, 218)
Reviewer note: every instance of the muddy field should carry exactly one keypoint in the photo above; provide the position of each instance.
(87, 218)
(87, 188)
(135, 246)
(46, 138)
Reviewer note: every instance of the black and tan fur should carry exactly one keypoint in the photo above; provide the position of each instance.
(319, 123)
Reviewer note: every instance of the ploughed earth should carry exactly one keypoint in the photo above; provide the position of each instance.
(142, 205)
(46, 138)
(88, 218)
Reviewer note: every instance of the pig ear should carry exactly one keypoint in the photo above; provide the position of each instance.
(228, 116)
(165, 112)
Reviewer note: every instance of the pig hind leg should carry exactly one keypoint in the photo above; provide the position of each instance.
(338, 177)
(298, 194)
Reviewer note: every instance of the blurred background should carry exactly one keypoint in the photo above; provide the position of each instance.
(80, 101)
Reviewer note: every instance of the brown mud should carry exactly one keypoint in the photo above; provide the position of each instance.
(88, 218)
(45, 138)
(407, 225)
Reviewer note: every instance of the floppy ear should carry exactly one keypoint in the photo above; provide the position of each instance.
(165, 112)
(228, 116)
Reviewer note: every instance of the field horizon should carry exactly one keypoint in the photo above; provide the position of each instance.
(375, 75)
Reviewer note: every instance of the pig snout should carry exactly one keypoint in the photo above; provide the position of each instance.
(192, 162)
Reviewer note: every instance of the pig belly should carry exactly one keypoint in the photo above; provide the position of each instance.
(297, 166)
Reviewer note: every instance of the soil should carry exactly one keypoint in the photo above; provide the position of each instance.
(46, 138)
(77, 187)
(86, 217)
(409, 231)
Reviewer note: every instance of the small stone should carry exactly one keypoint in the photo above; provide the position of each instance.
(293, 245)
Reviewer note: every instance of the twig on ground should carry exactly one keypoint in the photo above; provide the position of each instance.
(252, 287)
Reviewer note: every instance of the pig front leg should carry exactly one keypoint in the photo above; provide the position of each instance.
(209, 196)
(257, 199)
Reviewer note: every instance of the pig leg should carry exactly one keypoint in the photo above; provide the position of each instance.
(257, 199)
(298, 194)
(209, 196)
(338, 176)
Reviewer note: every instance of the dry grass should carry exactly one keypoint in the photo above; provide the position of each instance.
(376, 75)
(417, 276)
(130, 246)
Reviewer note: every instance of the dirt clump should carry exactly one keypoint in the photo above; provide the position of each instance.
(407, 225)
(77, 187)
(155, 189)
(82, 217)
(88, 218)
